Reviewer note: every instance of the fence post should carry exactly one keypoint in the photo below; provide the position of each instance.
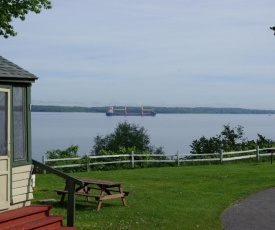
(221, 156)
(257, 154)
(44, 162)
(133, 160)
(178, 158)
(87, 162)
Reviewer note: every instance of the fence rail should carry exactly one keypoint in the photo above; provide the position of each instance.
(178, 158)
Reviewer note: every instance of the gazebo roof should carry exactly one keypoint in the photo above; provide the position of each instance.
(10, 72)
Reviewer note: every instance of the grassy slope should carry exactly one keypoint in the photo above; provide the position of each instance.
(187, 197)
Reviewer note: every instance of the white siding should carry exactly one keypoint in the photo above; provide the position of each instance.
(21, 184)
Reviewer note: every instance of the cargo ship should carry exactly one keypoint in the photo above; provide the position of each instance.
(123, 112)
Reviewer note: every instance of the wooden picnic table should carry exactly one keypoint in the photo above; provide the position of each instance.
(108, 190)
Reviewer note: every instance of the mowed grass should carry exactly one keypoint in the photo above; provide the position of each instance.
(185, 197)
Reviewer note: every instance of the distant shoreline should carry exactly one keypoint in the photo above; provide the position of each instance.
(158, 110)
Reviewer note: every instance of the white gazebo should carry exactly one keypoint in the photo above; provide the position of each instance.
(15, 136)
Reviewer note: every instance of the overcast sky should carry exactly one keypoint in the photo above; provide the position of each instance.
(214, 53)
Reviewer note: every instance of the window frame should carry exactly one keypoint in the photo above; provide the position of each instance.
(27, 132)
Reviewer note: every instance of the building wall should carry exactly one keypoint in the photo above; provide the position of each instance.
(21, 188)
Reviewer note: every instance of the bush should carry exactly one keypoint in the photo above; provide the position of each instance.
(70, 152)
(125, 136)
(230, 139)
(125, 139)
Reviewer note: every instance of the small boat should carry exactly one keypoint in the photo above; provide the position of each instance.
(123, 112)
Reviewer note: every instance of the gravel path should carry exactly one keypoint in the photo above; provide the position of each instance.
(257, 212)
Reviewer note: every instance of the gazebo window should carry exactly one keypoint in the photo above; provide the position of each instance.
(19, 123)
(3, 124)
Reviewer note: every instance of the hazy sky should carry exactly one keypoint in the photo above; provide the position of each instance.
(217, 53)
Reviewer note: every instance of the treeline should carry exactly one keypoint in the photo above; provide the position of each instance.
(57, 108)
(171, 110)
(210, 110)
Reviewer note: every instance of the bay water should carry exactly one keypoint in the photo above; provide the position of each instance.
(173, 132)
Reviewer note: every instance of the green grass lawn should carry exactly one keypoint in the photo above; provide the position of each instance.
(185, 197)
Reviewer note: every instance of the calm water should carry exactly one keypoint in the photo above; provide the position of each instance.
(174, 132)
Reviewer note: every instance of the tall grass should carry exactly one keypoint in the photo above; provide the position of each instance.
(186, 197)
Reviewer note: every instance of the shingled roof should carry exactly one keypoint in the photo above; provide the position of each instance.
(12, 72)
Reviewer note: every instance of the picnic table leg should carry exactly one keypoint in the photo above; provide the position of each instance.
(64, 194)
(122, 198)
(86, 190)
(100, 198)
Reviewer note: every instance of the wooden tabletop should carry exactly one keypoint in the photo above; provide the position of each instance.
(99, 182)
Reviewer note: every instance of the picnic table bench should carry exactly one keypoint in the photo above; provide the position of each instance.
(108, 190)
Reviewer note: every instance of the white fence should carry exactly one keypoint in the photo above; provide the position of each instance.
(156, 158)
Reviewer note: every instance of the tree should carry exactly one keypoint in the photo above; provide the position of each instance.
(273, 28)
(127, 136)
(231, 138)
(10, 9)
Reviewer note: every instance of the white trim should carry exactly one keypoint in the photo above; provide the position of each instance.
(6, 187)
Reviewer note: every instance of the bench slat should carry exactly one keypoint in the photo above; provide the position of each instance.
(111, 190)
(59, 192)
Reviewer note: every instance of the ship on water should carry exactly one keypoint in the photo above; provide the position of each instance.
(123, 112)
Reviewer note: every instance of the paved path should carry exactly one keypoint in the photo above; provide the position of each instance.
(257, 212)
